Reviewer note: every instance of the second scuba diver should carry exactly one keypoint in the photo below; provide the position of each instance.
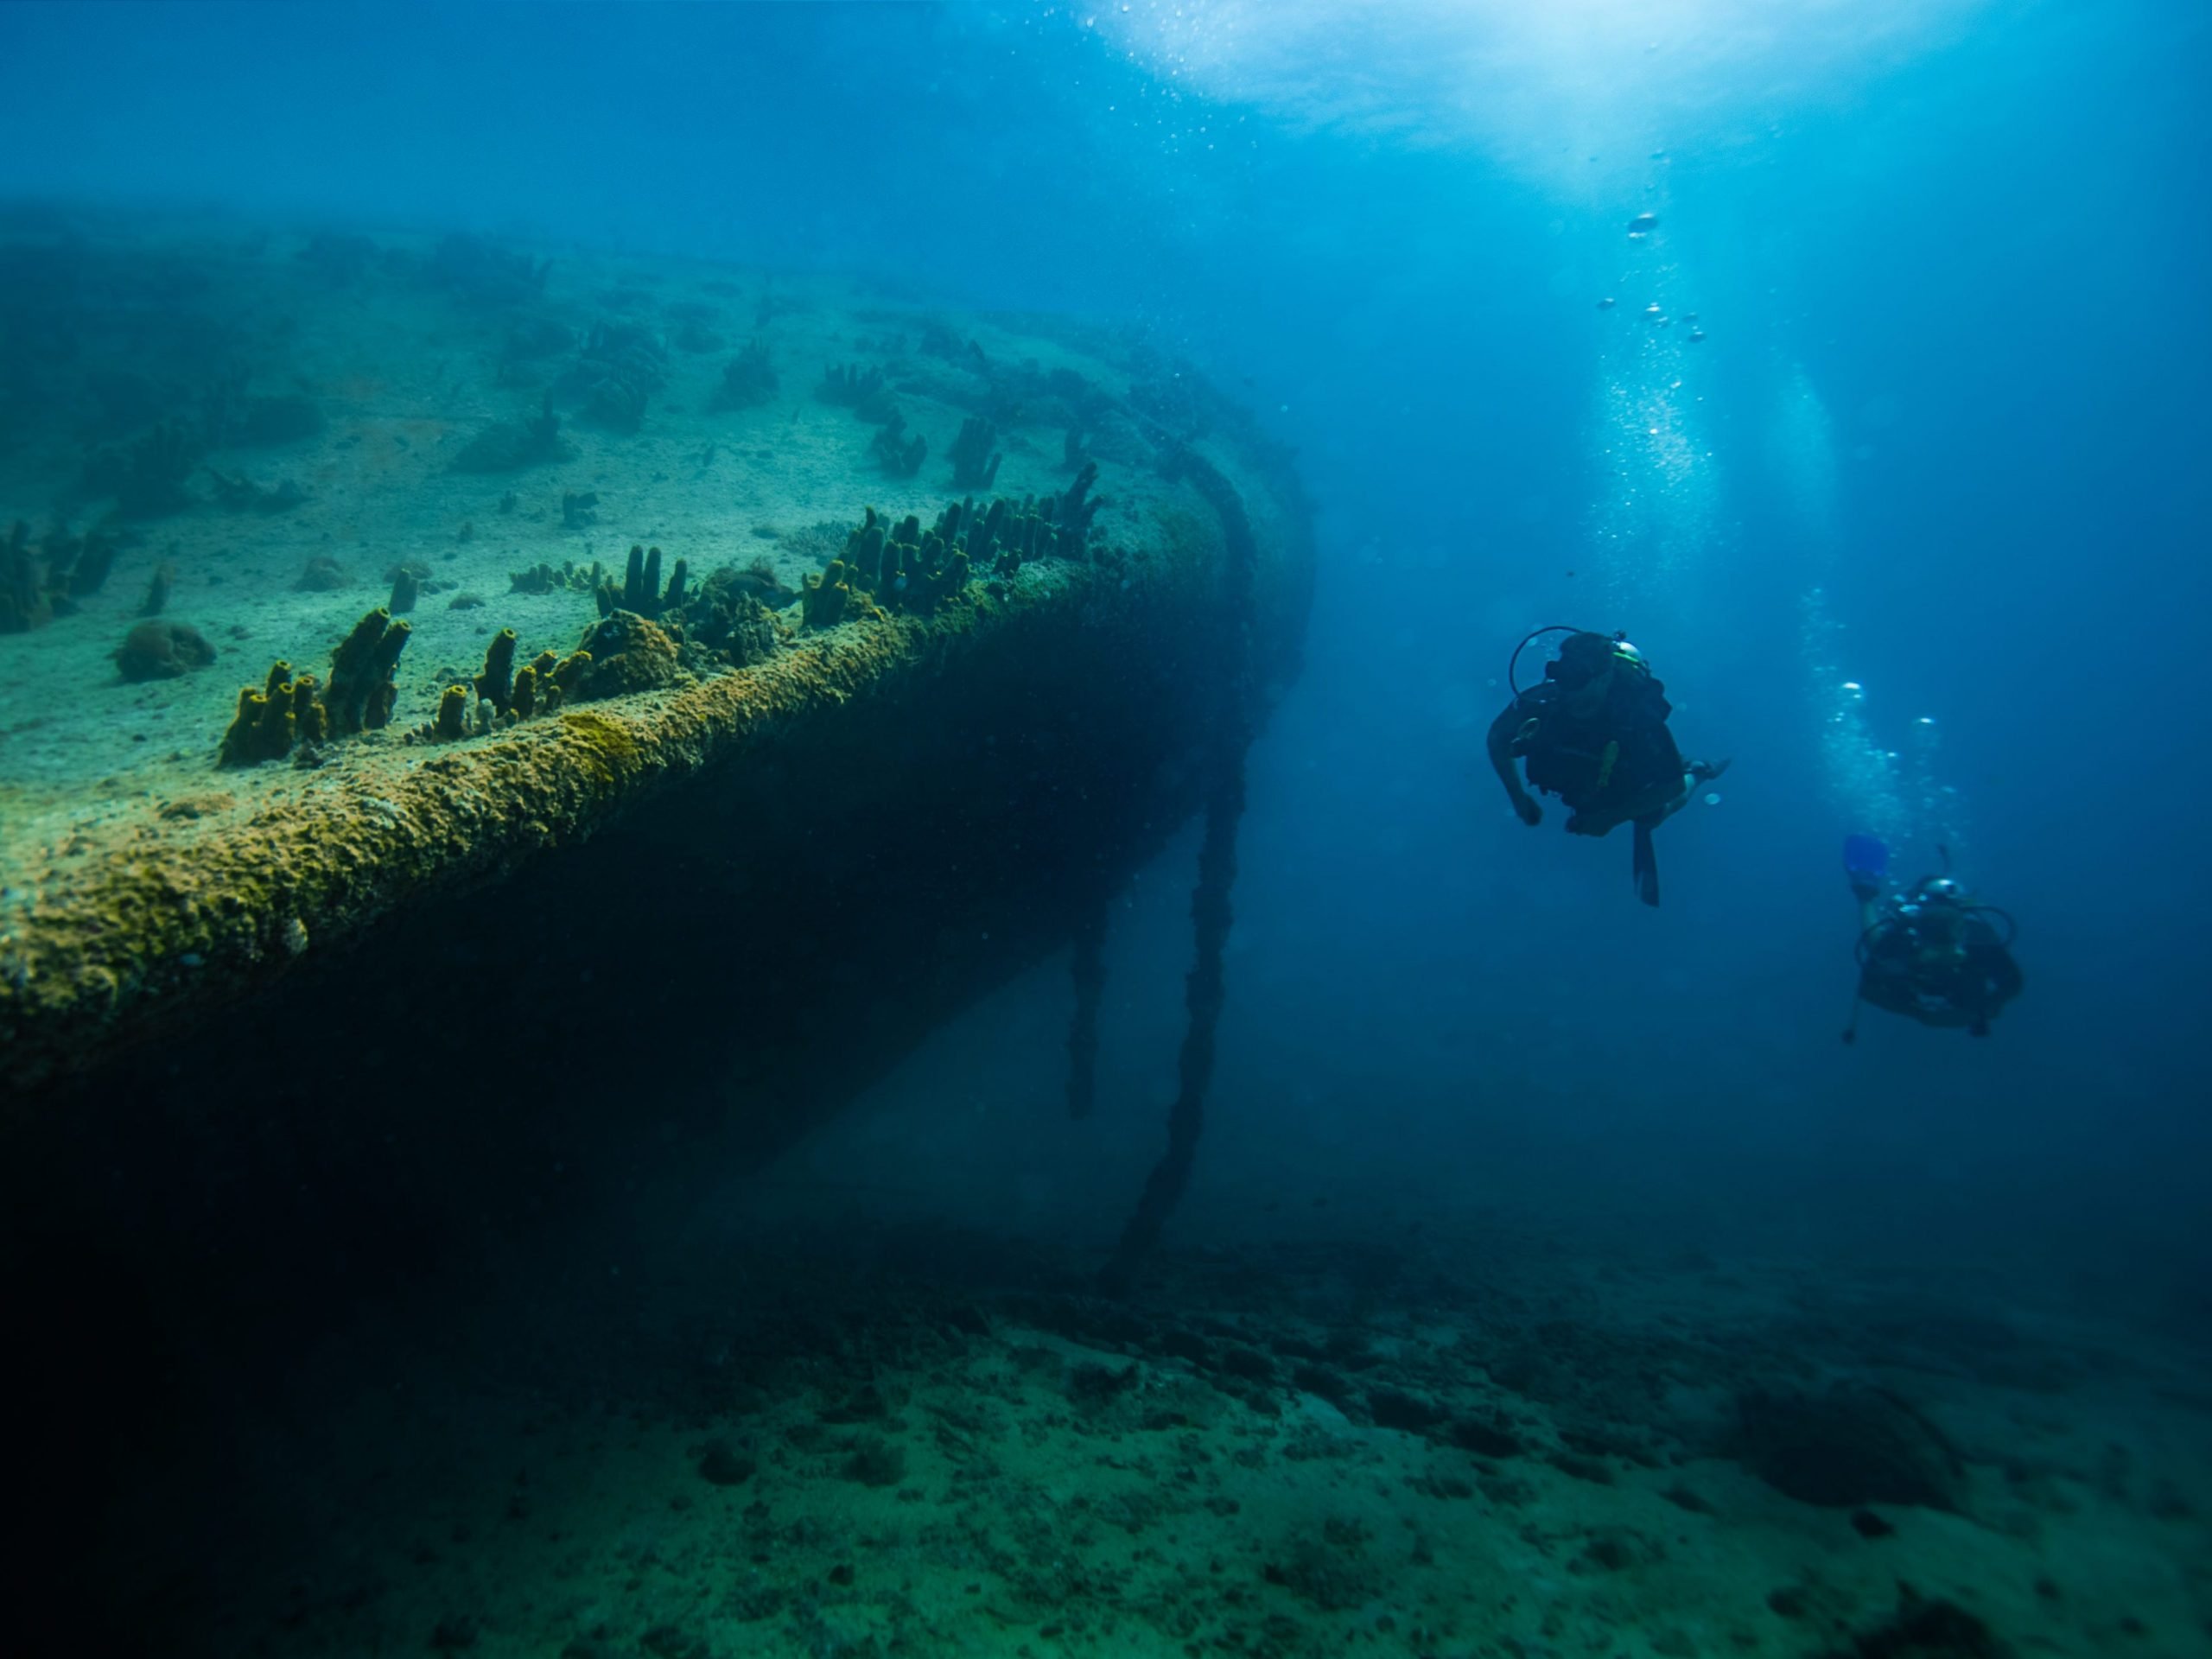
(1929, 952)
(1593, 732)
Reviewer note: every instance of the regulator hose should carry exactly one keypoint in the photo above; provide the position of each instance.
(1528, 639)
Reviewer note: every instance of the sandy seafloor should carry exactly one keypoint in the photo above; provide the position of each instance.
(886, 1437)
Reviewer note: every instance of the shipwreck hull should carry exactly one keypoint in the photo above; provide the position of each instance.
(387, 959)
(281, 1044)
(573, 980)
(737, 899)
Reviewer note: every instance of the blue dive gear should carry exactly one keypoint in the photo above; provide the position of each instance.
(1865, 859)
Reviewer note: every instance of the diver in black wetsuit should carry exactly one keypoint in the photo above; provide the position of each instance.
(1929, 953)
(1593, 732)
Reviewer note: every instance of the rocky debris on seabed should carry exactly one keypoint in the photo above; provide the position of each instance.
(1288, 1450)
(1853, 1445)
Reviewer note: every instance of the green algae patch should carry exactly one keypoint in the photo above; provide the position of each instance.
(602, 744)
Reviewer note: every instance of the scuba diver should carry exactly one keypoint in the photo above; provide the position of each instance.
(1593, 732)
(1930, 952)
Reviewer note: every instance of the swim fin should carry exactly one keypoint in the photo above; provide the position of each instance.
(1647, 865)
(1866, 861)
(1865, 857)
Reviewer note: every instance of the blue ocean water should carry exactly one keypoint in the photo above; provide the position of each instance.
(1904, 501)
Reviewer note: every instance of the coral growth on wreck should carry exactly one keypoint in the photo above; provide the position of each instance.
(284, 711)
(641, 592)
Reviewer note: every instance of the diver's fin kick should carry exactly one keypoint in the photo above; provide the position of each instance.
(1647, 864)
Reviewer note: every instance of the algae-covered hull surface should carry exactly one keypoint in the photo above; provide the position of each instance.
(777, 558)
